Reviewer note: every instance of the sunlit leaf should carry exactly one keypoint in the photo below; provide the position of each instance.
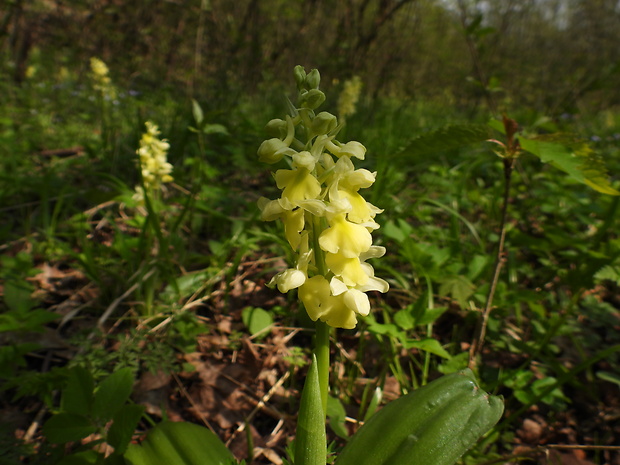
(429, 345)
(337, 416)
(574, 157)
(257, 320)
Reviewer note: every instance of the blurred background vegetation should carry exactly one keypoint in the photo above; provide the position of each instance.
(552, 56)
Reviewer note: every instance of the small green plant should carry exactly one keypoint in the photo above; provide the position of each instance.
(99, 412)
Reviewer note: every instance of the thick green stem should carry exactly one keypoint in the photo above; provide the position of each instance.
(321, 343)
(321, 350)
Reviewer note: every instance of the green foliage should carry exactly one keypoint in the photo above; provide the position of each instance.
(87, 408)
(184, 443)
(575, 158)
(257, 320)
(337, 416)
(435, 424)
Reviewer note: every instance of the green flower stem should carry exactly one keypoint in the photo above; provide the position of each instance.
(321, 350)
(321, 343)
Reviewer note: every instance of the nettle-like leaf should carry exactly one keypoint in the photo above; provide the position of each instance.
(447, 138)
(572, 156)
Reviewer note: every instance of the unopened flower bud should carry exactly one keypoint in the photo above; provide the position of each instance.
(312, 99)
(272, 150)
(300, 76)
(276, 128)
(323, 123)
(313, 79)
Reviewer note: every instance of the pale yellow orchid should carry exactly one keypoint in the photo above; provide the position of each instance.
(326, 220)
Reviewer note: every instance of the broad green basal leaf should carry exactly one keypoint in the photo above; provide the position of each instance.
(180, 443)
(434, 425)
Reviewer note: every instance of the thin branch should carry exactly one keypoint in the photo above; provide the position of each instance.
(481, 329)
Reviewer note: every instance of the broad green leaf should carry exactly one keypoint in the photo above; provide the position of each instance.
(430, 315)
(575, 158)
(446, 138)
(179, 443)
(310, 440)
(400, 232)
(256, 319)
(337, 416)
(77, 397)
(123, 427)
(429, 345)
(190, 282)
(476, 266)
(404, 319)
(433, 425)
(67, 427)
(112, 393)
(386, 329)
(458, 287)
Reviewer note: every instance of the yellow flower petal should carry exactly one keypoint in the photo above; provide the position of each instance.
(350, 270)
(360, 211)
(288, 279)
(320, 304)
(346, 238)
(293, 225)
(298, 184)
(357, 301)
